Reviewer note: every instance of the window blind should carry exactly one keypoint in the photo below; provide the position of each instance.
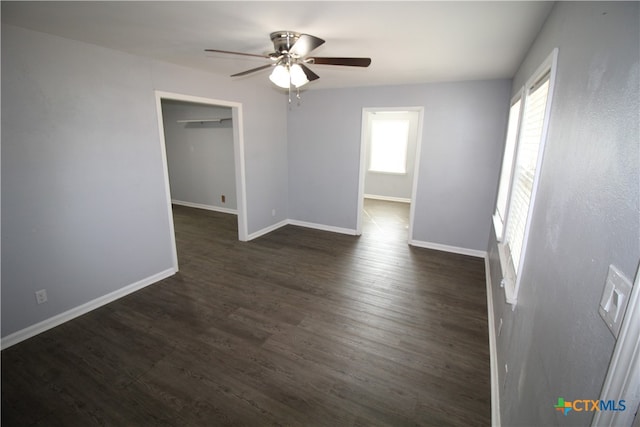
(525, 168)
(507, 162)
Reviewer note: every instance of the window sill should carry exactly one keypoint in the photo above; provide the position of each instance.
(509, 292)
(508, 282)
(498, 227)
(387, 173)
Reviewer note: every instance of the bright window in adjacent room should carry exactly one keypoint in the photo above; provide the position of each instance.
(389, 141)
(524, 150)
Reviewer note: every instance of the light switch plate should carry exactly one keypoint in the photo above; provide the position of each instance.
(614, 299)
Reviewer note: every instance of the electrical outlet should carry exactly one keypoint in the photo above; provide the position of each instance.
(41, 296)
(223, 198)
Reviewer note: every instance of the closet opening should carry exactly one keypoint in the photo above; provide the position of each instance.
(203, 156)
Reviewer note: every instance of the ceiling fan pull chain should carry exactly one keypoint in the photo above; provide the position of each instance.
(298, 95)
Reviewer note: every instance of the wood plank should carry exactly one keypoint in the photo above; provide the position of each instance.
(298, 327)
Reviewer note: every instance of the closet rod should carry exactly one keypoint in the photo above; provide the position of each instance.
(203, 120)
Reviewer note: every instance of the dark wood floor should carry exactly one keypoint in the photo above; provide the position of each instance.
(299, 328)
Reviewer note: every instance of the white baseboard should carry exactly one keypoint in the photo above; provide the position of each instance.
(305, 224)
(446, 248)
(267, 230)
(323, 227)
(61, 318)
(493, 350)
(387, 198)
(207, 207)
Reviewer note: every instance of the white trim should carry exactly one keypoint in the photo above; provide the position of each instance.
(165, 178)
(374, 171)
(206, 207)
(363, 161)
(323, 227)
(238, 150)
(305, 224)
(446, 248)
(549, 65)
(387, 198)
(493, 349)
(623, 377)
(241, 182)
(416, 173)
(364, 134)
(71, 314)
(508, 280)
(510, 283)
(498, 226)
(267, 230)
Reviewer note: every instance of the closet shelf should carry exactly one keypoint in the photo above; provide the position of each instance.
(203, 120)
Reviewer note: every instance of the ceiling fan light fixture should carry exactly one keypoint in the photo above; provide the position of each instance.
(280, 77)
(298, 77)
(290, 59)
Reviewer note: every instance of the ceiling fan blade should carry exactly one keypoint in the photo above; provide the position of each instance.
(351, 62)
(305, 44)
(244, 73)
(311, 76)
(236, 53)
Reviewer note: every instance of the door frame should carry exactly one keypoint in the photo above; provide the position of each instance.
(623, 376)
(363, 162)
(238, 153)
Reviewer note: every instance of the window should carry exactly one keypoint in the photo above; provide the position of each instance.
(389, 141)
(524, 149)
(507, 167)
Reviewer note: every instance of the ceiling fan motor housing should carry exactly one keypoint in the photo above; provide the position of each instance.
(290, 52)
(283, 40)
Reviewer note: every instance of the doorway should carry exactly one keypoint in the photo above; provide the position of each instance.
(389, 165)
(238, 156)
(200, 155)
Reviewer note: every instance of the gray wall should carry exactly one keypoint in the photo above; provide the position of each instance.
(464, 125)
(393, 185)
(84, 209)
(200, 155)
(586, 215)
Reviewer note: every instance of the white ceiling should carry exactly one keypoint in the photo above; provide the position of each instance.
(409, 42)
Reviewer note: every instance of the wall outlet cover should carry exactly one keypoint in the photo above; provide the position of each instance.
(41, 296)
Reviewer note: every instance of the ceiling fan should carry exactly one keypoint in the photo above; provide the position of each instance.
(290, 59)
